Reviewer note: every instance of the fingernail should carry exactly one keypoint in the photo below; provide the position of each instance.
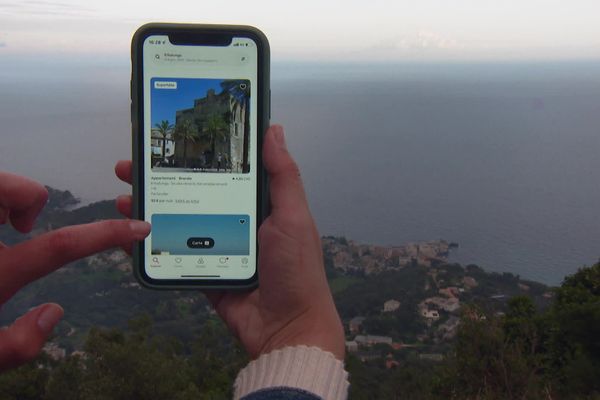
(49, 317)
(141, 229)
(279, 136)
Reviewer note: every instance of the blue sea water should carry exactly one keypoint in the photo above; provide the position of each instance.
(501, 158)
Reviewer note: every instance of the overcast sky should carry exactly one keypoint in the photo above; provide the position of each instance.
(319, 30)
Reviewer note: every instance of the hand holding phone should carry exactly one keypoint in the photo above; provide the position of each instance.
(293, 304)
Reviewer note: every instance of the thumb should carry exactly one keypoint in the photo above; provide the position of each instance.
(287, 191)
(22, 341)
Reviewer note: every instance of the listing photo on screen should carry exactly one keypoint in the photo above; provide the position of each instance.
(200, 234)
(200, 125)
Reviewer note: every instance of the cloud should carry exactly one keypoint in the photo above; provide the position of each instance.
(42, 7)
(428, 39)
(419, 40)
(48, 3)
(418, 44)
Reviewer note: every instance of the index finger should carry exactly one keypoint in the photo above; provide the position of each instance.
(21, 199)
(123, 170)
(30, 260)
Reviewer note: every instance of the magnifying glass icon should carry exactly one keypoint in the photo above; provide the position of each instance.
(155, 260)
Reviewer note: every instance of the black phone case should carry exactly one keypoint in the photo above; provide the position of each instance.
(263, 117)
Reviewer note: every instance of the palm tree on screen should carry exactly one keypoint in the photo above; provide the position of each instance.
(185, 131)
(216, 129)
(163, 130)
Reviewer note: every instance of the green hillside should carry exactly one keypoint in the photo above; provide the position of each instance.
(432, 331)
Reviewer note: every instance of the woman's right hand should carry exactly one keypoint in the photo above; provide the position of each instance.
(293, 304)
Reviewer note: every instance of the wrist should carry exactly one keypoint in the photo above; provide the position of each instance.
(326, 334)
(305, 368)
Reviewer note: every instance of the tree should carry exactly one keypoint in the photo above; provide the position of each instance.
(240, 93)
(163, 130)
(215, 129)
(185, 131)
(574, 326)
(66, 380)
(26, 382)
(216, 360)
(494, 357)
(133, 365)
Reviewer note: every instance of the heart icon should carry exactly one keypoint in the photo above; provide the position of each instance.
(242, 221)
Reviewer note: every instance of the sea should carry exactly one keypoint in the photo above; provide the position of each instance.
(502, 158)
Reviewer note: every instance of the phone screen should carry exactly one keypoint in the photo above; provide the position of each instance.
(200, 164)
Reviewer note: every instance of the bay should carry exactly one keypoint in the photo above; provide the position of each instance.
(501, 158)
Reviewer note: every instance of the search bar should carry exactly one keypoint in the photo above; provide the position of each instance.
(187, 59)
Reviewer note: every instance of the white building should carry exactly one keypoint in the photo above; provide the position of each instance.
(430, 314)
(352, 346)
(448, 305)
(391, 305)
(369, 340)
(355, 324)
(156, 142)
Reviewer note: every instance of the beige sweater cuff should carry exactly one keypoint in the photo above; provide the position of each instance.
(307, 368)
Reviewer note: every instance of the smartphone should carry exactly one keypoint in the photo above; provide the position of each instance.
(200, 106)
